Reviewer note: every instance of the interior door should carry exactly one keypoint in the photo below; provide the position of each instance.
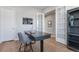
(8, 24)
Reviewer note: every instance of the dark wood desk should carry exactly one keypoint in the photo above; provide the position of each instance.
(40, 36)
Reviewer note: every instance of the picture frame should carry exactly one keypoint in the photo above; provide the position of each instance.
(27, 20)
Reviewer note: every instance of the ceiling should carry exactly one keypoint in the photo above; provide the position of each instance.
(50, 13)
(37, 7)
(40, 7)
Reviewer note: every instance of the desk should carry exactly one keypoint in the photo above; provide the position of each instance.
(40, 36)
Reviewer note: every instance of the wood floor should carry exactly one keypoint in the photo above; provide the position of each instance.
(50, 45)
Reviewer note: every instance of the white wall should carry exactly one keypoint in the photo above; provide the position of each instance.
(19, 12)
(27, 12)
(51, 8)
(0, 25)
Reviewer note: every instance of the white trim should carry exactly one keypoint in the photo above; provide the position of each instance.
(63, 41)
(8, 40)
(15, 38)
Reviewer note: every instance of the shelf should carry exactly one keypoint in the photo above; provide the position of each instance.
(72, 48)
(74, 26)
(74, 45)
(73, 34)
(76, 18)
(74, 41)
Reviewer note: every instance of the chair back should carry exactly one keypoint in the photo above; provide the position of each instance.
(20, 37)
(30, 36)
(23, 38)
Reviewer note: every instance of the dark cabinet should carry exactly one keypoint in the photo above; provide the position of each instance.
(73, 29)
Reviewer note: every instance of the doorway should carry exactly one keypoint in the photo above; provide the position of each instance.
(50, 23)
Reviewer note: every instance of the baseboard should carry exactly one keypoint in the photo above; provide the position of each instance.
(8, 40)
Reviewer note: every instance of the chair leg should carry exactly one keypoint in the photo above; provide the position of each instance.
(25, 45)
(31, 47)
(20, 47)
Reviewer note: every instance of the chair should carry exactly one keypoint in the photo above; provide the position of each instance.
(30, 37)
(23, 38)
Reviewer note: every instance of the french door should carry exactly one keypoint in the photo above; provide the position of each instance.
(40, 21)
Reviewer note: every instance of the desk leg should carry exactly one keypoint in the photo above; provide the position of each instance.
(41, 46)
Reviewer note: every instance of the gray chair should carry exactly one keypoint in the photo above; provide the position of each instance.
(23, 38)
(31, 37)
